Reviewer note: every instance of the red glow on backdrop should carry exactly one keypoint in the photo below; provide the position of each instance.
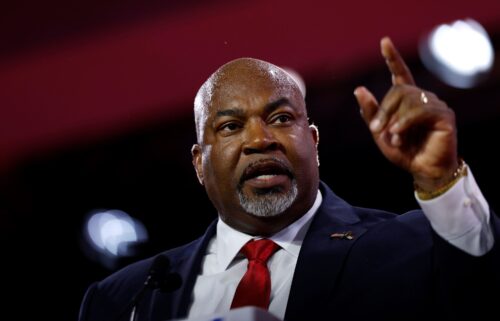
(108, 80)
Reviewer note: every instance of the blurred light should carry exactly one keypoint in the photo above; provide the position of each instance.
(111, 235)
(460, 54)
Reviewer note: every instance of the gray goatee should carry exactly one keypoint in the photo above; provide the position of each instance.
(269, 204)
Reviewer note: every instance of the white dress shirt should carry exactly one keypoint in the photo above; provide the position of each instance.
(460, 216)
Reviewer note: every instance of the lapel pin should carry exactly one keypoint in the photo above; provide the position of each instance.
(342, 235)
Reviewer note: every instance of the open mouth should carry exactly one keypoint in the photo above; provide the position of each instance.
(266, 173)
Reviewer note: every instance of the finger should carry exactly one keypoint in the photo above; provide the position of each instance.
(432, 109)
(372, 114)
(395, 100)
(389, 107)
(401, 74)
(368, 104)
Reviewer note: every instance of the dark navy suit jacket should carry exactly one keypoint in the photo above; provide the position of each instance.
(394, 268)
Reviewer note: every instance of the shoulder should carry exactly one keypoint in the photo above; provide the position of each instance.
(131, 277)
(414, 217)
(412, 226)
(346, 213)
(104, 298)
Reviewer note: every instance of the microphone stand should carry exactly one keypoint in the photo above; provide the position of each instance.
(158, 278)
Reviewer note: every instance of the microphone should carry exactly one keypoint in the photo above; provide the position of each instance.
(158, 277)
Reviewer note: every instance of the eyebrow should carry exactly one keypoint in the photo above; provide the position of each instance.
(229, 112)
(272, 106)
(269, 108)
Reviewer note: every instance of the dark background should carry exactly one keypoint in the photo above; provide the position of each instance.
(96, 112)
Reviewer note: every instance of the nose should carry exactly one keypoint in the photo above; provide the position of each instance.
(259, 138)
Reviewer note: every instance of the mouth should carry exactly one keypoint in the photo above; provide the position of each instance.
(266, 174)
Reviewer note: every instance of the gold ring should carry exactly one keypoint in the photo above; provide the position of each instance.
(423, 98)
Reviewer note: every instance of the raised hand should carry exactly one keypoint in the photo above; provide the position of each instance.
(412, 127)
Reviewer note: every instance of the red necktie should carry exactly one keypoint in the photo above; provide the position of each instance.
(255, 287)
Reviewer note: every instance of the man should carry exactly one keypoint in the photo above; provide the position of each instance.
(257, 158)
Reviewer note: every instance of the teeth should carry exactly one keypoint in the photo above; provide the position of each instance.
(265, 176)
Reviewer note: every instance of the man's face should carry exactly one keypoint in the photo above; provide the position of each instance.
(257, 156)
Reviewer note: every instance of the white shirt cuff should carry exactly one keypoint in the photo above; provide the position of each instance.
(461, 216)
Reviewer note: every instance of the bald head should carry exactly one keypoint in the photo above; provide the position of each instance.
(239, 77)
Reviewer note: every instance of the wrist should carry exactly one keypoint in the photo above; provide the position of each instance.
(444, 186)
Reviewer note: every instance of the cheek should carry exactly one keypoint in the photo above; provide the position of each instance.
(302, 143)
(302, 153)
(222, 160)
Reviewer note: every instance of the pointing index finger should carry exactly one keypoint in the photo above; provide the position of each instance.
(401, 75)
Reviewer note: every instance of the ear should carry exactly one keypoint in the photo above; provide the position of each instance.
(197, 162)
(315, 135)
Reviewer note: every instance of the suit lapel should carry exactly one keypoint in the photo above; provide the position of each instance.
(322, 256)
(166, 306)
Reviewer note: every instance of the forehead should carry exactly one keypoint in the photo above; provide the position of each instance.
(245, 79)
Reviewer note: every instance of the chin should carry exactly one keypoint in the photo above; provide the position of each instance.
(271, 202)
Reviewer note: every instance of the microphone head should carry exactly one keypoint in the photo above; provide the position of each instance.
(160, 277)
(160, 265)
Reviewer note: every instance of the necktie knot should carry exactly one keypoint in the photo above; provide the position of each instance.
(259, 250)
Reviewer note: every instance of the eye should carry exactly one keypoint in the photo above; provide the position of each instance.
(229, 127)
(281, 119)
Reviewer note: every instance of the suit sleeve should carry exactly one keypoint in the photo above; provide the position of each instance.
(467, 284)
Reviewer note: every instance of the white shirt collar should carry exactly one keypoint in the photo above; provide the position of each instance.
(229, 241)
